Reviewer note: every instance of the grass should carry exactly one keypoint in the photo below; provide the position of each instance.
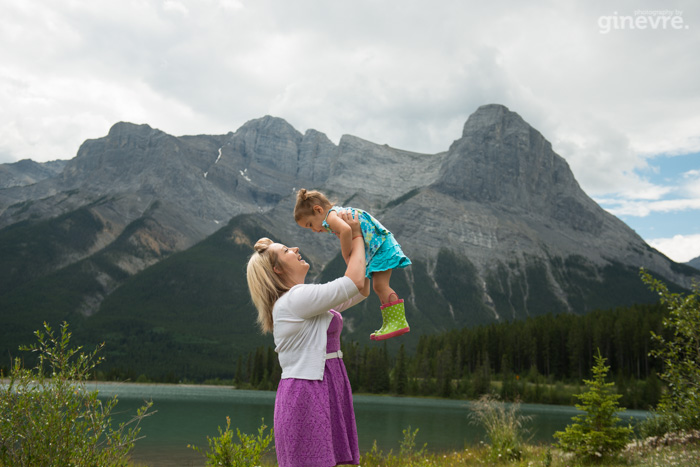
(547, 456)
(687, 455)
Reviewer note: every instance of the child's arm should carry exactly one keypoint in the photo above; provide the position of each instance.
(343, 231)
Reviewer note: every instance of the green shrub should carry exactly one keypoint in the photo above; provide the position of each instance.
(224, 452)
(47, 417)
(679, 349)
(503, 424)
(408, 455)
(595, 434)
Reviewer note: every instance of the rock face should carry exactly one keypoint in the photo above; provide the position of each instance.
(27, 172)
(497, 226)
(695, 263)
(524, 196)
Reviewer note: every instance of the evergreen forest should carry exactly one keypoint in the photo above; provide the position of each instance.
(538, 360)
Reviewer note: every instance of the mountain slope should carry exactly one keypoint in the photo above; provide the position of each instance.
(694, 263)
(28, 172)
(132, 242)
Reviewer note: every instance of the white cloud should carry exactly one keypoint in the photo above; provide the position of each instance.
(645, 208)
(406, 73)
(179, 7)
(680, 248)
(231, 4)
(691, 183)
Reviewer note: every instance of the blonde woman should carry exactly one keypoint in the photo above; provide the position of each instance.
(314, 415)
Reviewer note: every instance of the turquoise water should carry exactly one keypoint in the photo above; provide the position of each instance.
(188, 414)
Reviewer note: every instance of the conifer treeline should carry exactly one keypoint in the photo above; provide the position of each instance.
(541, 359)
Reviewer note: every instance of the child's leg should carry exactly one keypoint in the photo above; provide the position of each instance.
(393, 316)
(380, 283)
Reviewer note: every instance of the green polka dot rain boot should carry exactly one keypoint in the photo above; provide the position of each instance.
(394, 321)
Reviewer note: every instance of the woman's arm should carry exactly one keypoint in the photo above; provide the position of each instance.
(343, 231)
(356, 259)
(365, 288)
(307, 300)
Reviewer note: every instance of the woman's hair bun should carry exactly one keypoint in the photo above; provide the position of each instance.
(262, 244)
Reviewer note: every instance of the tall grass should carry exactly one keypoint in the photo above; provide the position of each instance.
(504, 426)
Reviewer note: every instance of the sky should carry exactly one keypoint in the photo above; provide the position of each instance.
(613, 85)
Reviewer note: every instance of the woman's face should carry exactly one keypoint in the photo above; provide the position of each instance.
(290, 265)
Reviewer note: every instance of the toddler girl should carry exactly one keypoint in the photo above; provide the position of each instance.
(382, 253)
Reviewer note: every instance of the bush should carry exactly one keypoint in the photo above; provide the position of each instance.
(408, 455)
(503, 425)
(595, 434)
(47, 417)
(224, 452)
(679, 349)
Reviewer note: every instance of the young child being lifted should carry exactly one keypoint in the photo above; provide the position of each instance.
(382, 253)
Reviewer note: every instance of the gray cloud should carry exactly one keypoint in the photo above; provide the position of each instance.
(405, 73)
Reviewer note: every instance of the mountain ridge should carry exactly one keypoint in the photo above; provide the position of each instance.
(695, 263)
(497, 227)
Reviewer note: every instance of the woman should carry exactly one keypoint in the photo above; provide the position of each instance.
(314, 416)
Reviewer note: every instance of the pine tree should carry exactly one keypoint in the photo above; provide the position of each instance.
(401, 372)
(596, 434)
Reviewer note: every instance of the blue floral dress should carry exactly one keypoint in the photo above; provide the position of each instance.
(382, 251)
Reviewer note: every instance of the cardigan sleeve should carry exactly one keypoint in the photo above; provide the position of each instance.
(350, 303)
(308, 300)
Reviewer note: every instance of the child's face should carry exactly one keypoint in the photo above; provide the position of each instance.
(314, 221)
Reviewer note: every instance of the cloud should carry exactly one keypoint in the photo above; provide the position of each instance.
(179, 7)
(680, 248)
(677, 193)
(690, 185)
(405, 73)
(645, 208)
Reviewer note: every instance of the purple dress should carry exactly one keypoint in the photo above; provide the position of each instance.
(315, 420)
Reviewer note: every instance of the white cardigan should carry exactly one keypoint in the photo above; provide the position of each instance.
(301, 318)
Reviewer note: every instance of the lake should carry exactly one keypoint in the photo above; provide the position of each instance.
(187, 414)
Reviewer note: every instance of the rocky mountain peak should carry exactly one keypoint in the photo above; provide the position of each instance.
(28, 172)
(126, 153)
(496, 118)
(502, 159)
(129, 129)
(497, 227)
(270, 125)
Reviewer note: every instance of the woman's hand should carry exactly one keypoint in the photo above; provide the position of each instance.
(352, 220)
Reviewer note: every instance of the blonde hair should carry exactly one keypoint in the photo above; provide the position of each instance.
(264, 284)
(306, 200)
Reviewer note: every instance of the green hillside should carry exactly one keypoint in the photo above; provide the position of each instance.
(190, 316)
(32, 249)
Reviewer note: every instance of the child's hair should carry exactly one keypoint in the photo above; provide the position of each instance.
(306, 200)
(265, 286)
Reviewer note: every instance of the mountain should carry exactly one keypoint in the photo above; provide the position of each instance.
(695, 263)
(28, 172)
(141, 240)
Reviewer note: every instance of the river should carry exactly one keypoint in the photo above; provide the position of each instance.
(187, 414)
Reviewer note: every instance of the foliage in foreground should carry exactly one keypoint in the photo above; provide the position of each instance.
(504, 426)
(47, 417)
(679, 349)
(408, 455)
(224, 452)
(545, 456)
(596, 434)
